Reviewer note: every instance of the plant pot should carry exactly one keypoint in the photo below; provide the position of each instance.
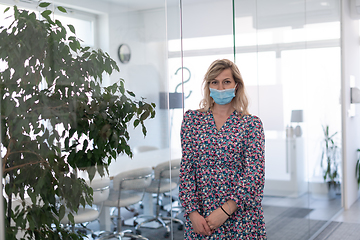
(333, 189)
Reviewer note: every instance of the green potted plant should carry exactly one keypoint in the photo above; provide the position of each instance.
(329, 161)
(51, 82)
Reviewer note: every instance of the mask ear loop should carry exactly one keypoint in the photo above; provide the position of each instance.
(212, 100)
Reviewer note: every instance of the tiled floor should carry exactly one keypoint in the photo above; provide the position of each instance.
(322, 209)
(351, 215)
(343, 226)
(339, 224)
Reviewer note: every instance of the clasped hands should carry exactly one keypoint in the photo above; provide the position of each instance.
(206, 226)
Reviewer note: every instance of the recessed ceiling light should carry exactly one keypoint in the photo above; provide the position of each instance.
(324, 4)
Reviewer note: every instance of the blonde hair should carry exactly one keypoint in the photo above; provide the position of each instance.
(240, 101)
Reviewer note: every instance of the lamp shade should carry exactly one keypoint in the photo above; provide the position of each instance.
(297, 116)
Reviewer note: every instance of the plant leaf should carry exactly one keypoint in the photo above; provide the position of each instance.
(71, 27)
(44, 4)
(71, 218)
(136, 123)
(61, 9)
(61, 212)
(46, 13)
(131, 93)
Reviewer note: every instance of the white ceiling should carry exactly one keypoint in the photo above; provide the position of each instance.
(153, 4)
(139, 4)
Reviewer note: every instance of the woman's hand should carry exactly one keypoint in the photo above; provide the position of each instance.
(199, 224)
(216, 219)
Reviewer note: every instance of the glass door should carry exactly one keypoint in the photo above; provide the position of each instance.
(288, 53)
(134, 36)
(283, 47)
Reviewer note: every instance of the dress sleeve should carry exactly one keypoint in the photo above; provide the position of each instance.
(249, 184)
(187, 179)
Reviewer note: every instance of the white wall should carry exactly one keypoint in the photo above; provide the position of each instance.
(146, 73)
(207, 19)
(351, 125)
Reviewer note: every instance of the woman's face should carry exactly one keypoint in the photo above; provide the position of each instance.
(223, 81)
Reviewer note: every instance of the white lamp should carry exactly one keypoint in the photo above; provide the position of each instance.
(297, 116)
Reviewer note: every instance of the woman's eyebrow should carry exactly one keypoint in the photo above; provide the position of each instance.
(223, 79)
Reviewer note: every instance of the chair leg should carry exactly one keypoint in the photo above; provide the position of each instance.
(118, 222)
(131, 235)
(120, 234)
(173, 220)
(157, 219)
(161, 221)
(138, 225)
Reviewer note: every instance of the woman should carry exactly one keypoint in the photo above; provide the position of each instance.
(222, 166)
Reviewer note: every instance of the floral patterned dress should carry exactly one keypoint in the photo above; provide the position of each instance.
(218, 165)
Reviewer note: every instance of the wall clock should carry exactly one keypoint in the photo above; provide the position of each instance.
(124, 53)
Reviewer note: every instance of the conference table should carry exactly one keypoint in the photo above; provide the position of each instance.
(124, 163)
(143, 159)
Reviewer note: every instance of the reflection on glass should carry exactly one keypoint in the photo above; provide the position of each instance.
(285, 52)
(290, 48)
(61, 123)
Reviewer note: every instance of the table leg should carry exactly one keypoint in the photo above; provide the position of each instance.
(105, 221)
(148, 204)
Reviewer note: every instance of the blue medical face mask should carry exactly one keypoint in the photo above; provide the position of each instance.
(222, 97)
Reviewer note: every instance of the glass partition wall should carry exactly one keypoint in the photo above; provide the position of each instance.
(288, 53)
(140, 190)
